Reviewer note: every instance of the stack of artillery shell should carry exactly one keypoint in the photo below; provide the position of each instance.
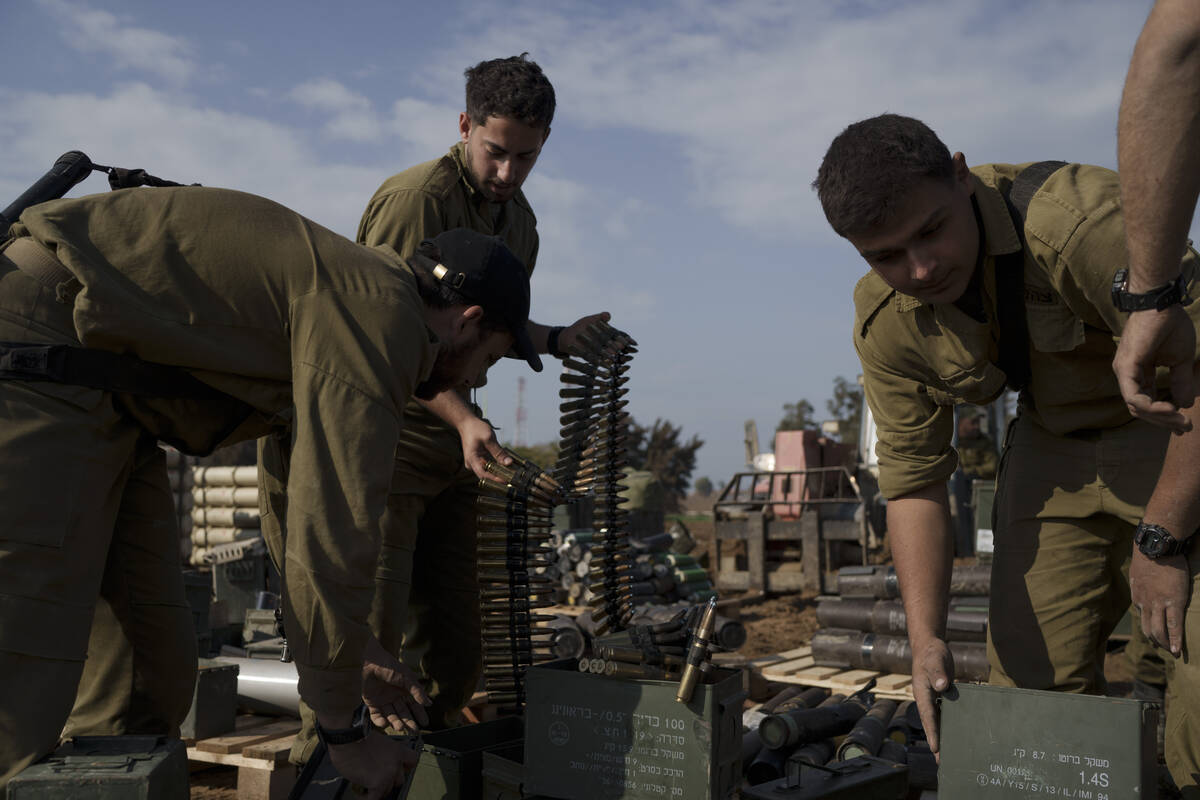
(179, 473)
(866, 628)
(592, 459)
(659, 576)
(814, 730)
(224, 508)
(513, 548)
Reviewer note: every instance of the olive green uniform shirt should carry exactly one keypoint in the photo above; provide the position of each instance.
(920, 359)
(302, 325)
(423, 201)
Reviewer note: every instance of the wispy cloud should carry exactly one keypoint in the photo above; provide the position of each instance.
(753, 93)
(90, 30)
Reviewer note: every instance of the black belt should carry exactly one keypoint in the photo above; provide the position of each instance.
(97, 369)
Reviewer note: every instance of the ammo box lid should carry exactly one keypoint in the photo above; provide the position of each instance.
(107, 768)
(1003, 744)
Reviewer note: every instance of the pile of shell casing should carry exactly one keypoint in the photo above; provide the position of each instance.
(812, 727)
(655, 651)
(865, 627)
(659, 576)
(592, 459)
(224, 509)
(514, 514)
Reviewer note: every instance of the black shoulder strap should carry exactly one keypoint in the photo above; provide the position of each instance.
(1010, 276)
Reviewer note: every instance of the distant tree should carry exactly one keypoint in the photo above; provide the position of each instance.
(659, 450)
(544, 455)
(797, 416)
(846, 408)
(704, 486)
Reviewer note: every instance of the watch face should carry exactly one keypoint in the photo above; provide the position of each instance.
(1154, 545)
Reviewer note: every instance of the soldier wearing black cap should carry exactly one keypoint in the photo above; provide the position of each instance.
(204, 317)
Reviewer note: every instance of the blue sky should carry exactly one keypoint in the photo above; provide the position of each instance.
(674, 188)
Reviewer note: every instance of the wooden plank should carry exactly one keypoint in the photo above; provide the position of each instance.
(816, 674)
(276, 750)
(893, 683)
(853, 679)
(788, 667)
(261, 784)
(778, 658)
(235, 742)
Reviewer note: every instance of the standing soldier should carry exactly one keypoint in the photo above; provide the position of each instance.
(426, 606)
(997, 275)
(203, 317)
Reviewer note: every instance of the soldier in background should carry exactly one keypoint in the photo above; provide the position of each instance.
(160, 314)
(426, 607)
(977, 458)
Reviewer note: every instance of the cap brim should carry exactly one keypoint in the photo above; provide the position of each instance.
(523, 346)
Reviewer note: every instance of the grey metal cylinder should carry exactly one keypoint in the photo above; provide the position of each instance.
(881, 581)
(807, 725)
(867, 735)
(265, 685)
(837, 647)
(888, 617)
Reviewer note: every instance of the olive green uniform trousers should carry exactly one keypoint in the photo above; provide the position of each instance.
(79, 478)
(1066, 508)
(426, 605)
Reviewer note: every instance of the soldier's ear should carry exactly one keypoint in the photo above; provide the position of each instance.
(467, 321)
(464, 125)
(962, 173)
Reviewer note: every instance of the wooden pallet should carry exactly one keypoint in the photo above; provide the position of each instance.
(259, 748)
(796, 666)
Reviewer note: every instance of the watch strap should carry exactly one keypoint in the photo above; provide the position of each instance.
(1155, 541)
(355, 733)
(1158, 299)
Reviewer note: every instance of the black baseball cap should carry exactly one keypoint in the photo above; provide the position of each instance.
(486, 272)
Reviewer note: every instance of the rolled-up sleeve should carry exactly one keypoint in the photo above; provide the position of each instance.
(356, 360)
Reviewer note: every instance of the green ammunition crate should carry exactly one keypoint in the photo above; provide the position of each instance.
(107, 768)
(503, 774)
(1005, 744)
(451, 762)
(214, 701)
(588, 737)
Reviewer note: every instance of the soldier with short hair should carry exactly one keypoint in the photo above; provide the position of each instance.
(204, 317)
(426, 608)
(1003, 274)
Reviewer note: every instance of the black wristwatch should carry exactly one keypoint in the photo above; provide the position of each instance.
(359, 725)
(1158, 299)
(1155, 541)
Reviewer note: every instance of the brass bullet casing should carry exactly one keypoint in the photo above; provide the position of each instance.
(533, 554)
(616, 669)
(697, 652)
(516, 593)
(514, 565)
(616, 333)
(506, 697)
(521, 616)
(517, 604)
(628, 655)
(514, 632)
(506, 576)
(585, 665)
(507, 523)
(491, 504)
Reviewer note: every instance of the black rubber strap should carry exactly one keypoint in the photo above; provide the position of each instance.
(96, 369)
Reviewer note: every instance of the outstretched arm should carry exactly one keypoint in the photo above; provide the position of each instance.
(923, 550)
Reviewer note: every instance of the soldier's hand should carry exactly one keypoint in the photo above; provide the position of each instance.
(479, 444)
(567, 338)
(932, 674)
(392, 692)
(1159, 588)
(377, 763)
(1157, 338)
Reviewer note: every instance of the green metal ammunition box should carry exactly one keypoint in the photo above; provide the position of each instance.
(214, 701)
(862, 778)
(503, 774)
(451, 762)
(1004, 744)
(107, 768)
(589, 737)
